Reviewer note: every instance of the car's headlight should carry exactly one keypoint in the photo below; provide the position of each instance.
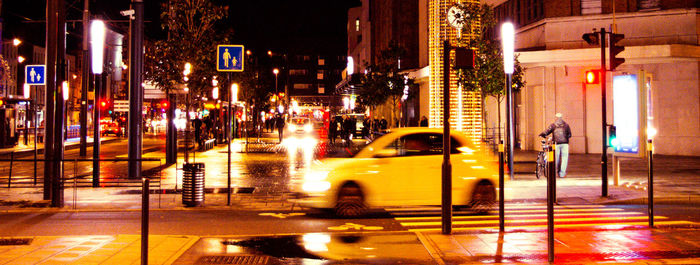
(316, 175)
(316, 186)
(307, 128)
(292, 127)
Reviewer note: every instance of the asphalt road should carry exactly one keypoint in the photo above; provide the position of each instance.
(203, 222)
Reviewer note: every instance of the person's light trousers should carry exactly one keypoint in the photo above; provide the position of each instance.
(561, 154)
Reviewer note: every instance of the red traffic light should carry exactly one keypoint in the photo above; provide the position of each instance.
(164, 104)
(591, 77)
(103, 104)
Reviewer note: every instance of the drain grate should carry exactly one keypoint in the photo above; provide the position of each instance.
(15, 241)
(240, 259)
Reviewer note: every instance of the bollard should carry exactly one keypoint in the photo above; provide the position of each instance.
(650, 189)
(501, 192)
(551, 197)
(9, 177)
(145, 190)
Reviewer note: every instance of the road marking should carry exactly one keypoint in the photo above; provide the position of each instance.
(556, 220)
(610, 226)
(281, 215)
(348, 226)
(426, 218)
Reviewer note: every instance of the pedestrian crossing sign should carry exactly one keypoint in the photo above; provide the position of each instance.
(229, 58)
(35, 74)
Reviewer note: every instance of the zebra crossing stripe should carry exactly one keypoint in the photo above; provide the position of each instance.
(508, 207)
(557, 220)
(468, 217)
(608, 225)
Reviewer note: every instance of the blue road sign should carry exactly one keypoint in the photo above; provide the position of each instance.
(34, 74)
(229, 58)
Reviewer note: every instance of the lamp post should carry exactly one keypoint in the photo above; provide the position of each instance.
(186, 73)
(97, 42)
(508, 37)
(233, 100)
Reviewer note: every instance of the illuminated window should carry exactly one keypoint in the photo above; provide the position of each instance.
(321, 88)
(357, 24)
(302, 86)
(321, 61)
(319, 75)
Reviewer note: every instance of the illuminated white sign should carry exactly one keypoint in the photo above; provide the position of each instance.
(626, 113)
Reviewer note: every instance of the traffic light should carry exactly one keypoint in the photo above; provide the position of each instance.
(612, 136)
(591, 77)
(164, 104)
(103, 104)
(614, 50)
(591, 38)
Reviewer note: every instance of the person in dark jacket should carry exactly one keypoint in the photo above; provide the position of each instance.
(423, 122)
(332, 130)
(280, 126)
(560, 135)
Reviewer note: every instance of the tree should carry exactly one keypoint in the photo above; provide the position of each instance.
(488, 76)
(384, 82)
(192, 38)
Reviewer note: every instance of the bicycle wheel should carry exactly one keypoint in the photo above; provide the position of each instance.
(540, 169)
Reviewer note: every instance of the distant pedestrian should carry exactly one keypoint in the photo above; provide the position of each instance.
(383, 124)
(280, 126)
(560, 133)
(423, 122)
(332, 130)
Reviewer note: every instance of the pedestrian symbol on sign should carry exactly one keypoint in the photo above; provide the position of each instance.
(229, 58)
(34, 74)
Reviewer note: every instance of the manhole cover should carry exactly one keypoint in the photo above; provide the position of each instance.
(15, 241)
(240, 259)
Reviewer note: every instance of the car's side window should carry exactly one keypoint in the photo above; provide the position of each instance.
(416, 145)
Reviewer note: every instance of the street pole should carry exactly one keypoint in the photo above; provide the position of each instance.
(446, 165)
(85, 80)
(230, 141)
(650, 181)
(501, 192)
(604, 156)
(60, 106)
(36, 128)
(50, 96)
(136, 91)
(171, 133)
(96, 132)
(510, 124)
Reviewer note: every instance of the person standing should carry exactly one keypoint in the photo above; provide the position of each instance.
(280, 126)
(332, 130)
(560, 133)
(423, 122)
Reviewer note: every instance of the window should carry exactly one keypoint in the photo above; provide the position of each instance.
(302, 86)
(321, 89)
(298, 72)
(648, 4)
(418, 144)
(321, 61)
(357, 24)
(590, 7)
(319, 75)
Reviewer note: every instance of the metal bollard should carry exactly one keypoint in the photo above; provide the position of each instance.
(9, 177)
(501, 190)
(650, 189)
(551, 198)
(145, 190)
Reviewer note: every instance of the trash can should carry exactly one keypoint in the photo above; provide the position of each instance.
(193, 184)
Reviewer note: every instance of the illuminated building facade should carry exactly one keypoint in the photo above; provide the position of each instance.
(465, 107)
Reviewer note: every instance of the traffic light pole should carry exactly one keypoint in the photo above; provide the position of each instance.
(446, 164)
(603, 84)
(85, 80)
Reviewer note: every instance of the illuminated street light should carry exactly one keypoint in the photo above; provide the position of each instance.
(269, 53)
(66, 90)
(508, 37)
(26, 90)
(247, 52)
(16, 42)
(275, 71)
(234, 92)
(97, 42)
(20, 59)
(215, 90)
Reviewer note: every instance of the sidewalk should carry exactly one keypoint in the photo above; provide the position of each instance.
(70, 143)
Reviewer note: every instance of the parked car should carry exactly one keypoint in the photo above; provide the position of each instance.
(402, 167)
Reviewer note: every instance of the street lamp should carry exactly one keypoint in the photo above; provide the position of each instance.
(16, 42)
(508, 37)
(186, 73)
(97, 45)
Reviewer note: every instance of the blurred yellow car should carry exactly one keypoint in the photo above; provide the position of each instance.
(402, 167)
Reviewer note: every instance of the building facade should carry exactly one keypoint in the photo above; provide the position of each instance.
(661, 38)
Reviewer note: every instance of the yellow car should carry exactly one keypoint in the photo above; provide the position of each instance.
(402, 167)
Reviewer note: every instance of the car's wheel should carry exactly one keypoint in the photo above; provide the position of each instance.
(350, 202)
(483, 197)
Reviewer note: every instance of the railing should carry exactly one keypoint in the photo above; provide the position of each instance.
(13, 180)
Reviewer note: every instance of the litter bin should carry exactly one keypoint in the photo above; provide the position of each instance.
(193, 184)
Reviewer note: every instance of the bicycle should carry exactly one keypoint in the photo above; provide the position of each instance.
(541, 167)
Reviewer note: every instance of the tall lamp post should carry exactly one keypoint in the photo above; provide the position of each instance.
(508, 37)
(97, 42)
(233, 100)
(186, 73)
(215, 96)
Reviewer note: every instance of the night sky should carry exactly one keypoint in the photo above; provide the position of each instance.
(260, 25)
